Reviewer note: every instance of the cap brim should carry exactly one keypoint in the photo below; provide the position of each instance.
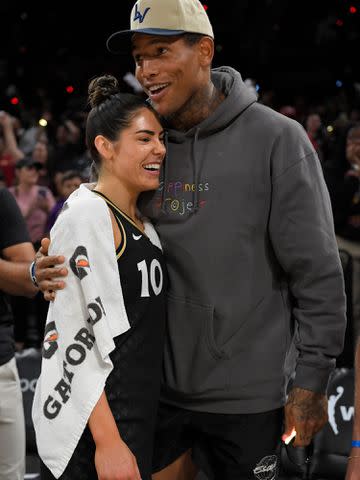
(115, 42)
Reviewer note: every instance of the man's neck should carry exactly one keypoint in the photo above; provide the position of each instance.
(199, 107)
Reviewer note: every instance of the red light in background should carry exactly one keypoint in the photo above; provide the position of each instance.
(205, 7)
(352, 9)
(339, 23)
(69, 89)
(14, 101)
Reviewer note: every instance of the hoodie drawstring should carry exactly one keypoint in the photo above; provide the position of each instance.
(196, 172)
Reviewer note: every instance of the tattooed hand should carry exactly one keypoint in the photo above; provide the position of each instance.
(305, 411)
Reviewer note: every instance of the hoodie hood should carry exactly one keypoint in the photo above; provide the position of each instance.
(238, 97)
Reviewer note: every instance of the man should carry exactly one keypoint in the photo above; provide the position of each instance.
(353, 469)
(16, 253)
(244, 218)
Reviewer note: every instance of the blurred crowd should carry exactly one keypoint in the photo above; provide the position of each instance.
(43, 162)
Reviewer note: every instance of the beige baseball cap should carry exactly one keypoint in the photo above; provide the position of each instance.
(164, 17)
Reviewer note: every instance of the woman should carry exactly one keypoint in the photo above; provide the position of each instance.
(125, 139)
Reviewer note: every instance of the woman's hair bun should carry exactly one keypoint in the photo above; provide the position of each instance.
(101, 88)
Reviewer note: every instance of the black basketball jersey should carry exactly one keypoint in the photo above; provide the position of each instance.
(133, 386)
(141, 266)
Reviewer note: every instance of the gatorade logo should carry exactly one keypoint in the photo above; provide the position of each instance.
(79, 262)
(50, 344)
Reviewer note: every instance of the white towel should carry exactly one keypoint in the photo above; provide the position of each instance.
(80, 327)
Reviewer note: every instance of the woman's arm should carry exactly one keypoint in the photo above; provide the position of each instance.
(113, 459)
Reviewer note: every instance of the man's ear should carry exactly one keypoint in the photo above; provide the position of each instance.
(104, 147)
(206, 50)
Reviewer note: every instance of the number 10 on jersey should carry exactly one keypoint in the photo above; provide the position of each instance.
(156, 283)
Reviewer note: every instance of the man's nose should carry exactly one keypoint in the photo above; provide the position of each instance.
(149, 68)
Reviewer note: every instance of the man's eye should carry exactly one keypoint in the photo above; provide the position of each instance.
(162, 50)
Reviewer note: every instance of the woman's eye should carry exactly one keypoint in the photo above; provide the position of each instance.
(145, 139)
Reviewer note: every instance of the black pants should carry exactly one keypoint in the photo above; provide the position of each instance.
(224, 446)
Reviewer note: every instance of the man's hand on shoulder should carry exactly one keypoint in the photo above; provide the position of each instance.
(48, 274)
(307, 412)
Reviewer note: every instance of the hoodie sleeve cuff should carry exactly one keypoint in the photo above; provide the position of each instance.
(312, 378)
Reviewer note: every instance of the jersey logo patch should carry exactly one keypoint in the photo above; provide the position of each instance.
(136, 237)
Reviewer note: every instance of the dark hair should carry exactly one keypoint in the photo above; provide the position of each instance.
(192, 39)
(111, 112)
(69, 175)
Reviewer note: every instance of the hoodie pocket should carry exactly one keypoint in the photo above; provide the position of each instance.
(192, 361)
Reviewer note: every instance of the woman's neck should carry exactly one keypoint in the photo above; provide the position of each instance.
(119, 195)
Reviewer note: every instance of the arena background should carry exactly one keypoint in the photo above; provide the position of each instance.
(291, 48)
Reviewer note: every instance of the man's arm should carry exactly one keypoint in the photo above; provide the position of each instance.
(353, 469)
(302, 235)
(14, 270)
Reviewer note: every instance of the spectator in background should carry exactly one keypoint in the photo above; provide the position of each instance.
(9, 150)
(70, 181)
(40, 155)
(69, 148)
(35, 201)
(313, 129)
(16, 253)
(345, 196)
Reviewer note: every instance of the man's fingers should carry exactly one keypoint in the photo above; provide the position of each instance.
(45, 262)
(51, 285)
(45, 243)
(305, 431)
(289, 421)
(51, 273)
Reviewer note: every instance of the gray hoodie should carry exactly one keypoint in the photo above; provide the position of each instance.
(244, 217)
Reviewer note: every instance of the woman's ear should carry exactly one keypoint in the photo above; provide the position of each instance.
(104, 147)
